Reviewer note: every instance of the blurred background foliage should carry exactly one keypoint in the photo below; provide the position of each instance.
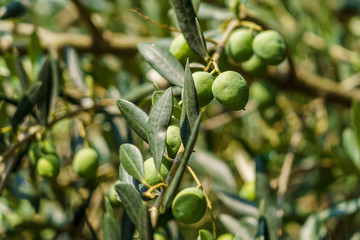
(303, 117)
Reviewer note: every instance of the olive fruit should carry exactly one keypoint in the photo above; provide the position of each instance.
(226, 236)
(247, 191)
(270, 46)
(86, 162)
(159, 236)
(40, 148)
(48, 166)
(173, 140)
(189, 205)
(181, 49)
(205, 235)
(231, 90)
(239, 45)
(151, 175)
(113, 196)
(203, 82)
(254, 65)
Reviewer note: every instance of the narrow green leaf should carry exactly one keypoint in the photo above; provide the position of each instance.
(187, 21)
(163, 62)
(131, 201)
(13, 9)
(110, 228)
(184, 161)
(136, 117)
(237, 205)
(313, 228)
(132, 161)
(108, 207)
(190, 109)
(34, 47)
(2, 113)
(24, 80)
(355, 117)
(263, 190)
(241, 229)
(76, 141)
(45, 77)
(157, 124)
(75, 70)
(177, 109)
(26, 105)
(351, 146)
(147, 232)
(56, 79)
(205, 235)
(262, 231)
(127, 227)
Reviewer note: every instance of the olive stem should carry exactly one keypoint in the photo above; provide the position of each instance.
(149, 193)
(208, 202)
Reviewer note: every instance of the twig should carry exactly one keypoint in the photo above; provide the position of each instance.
(285, 176)
(164, 26)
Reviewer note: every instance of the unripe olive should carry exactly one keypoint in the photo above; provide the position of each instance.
(38, 149)
(86, 162)
(270, 46)
(254, 65)
(159, 236)
(151, 175)
(113, 196)
(181, 49)
(48, 166)
(173, 140)
(203, 82)
(226, 236)
(231, 90)
(189, 205)
(239, 45)
(247, 191)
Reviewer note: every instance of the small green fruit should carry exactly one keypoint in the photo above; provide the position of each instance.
(173, 140)
(86, 162)
(151, 176)
(189, 205)
(205, 235)
(226, 236)
(48, 166)
(254, 65)
(231, 90)
(38, 149)
(270, 47)
(113, 195)
(239, 45)
(181, 50)
(203, 82)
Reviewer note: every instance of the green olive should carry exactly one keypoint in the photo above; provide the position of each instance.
(203, 82)
(189, 205)
(173, 140)
(181, 49)
(160, 236)
(270, 46)
(48, 166)
(247, 191)
(263, 92)
(231, 90)
(205, 235)
(254, 65)
(113, 195)
(226, 236)
(86, 162)
(151, 175)
(239, 45)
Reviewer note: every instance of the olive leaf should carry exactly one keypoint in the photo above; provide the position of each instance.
(131, 201)
(238, 227)
(262, 231)
(136, 117)
(181, 168)
(190, 109)
(157, 124)
(74, 67)
(132, 161)
(13, 9)
(239, 206)
(186, 16)
(351, 146)
(177, 109)
(205, 235)
(127, 227)
(26, 105)
(34, 47)
(24, 80)
(45, 77)
(163, 62)
(355, 117)
(110, 226)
